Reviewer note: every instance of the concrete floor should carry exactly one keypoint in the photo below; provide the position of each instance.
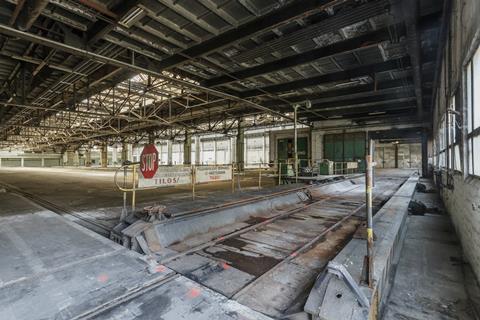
(52, 268)
(92, 191)
(429, 283)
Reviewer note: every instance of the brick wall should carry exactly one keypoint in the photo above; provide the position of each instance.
(463, 201)
(463, 204)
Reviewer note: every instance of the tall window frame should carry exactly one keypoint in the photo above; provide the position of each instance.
(472, 91)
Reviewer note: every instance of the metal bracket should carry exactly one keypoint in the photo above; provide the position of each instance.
(333, 269)
(342, 273)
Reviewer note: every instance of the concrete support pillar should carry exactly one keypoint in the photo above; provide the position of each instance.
(0, 162)
(88, 157)
(245, 150)
(396, 155)
(169, 152)
(43, 162)
(76, 158)
(104, 156)
(187, 148)
(264, 148)
(240, 147)
(425, 172)
(232, 149)
(197, 150)
(22, 162)
(72, 156)
(215, 151)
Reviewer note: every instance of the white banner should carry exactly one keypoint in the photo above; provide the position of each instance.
(205, 174)
(167, 177)
(352, 165)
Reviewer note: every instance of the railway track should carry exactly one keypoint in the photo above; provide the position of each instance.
(82, 219)
(246, 264)
(267, 265)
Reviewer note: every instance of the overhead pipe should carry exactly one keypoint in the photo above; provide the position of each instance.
(106, 60)
(30, 12)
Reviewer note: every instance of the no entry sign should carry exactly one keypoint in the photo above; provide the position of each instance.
(149, 161)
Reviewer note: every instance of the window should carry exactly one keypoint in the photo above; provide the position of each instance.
(453, 133)
(473, 113)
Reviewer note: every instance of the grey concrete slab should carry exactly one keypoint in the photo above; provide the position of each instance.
(221, 277)
(9, 201)
(181, 299)
(52, 268)
(429, 282)
(339, 302)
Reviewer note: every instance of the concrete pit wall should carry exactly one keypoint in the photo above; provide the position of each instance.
(179, 229)
(207, 225)
(332, 299)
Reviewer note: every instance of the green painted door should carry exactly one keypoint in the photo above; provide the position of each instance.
(346, 147)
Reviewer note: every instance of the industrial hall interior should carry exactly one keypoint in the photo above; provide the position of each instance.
(240, 159)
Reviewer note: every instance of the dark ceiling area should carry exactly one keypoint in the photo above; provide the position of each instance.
(73, 72)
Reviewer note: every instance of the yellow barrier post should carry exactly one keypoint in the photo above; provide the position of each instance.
(134, 178)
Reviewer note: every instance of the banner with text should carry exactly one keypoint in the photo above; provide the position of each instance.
(205, 174)
(167, 177)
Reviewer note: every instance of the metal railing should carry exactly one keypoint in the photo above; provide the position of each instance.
(132, 185)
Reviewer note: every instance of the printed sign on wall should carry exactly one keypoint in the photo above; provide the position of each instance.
(167, 177)
(205, 174)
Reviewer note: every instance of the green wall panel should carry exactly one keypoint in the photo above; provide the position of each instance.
(345, 147)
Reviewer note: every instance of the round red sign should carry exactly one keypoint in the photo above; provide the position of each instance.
(149, 161)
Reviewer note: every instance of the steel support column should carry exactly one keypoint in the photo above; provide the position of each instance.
(197, 150)
(104, 155)
(368, 193)
(88, 157)
(425, 172)
(239, 146)
(187, 148)
(295, 142)
(170, 152)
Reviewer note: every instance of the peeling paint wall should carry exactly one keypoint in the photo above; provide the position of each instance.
(460, 191)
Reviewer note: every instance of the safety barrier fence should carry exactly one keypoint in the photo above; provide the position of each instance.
(194, 175)
(169, 176)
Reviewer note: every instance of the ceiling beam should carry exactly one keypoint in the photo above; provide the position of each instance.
(362, 90)
(364, 70)
(371, 39)
(287, 13)
(29, 13)
(102, 28)
(387, 108)
(127, 66)
(366, 101)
